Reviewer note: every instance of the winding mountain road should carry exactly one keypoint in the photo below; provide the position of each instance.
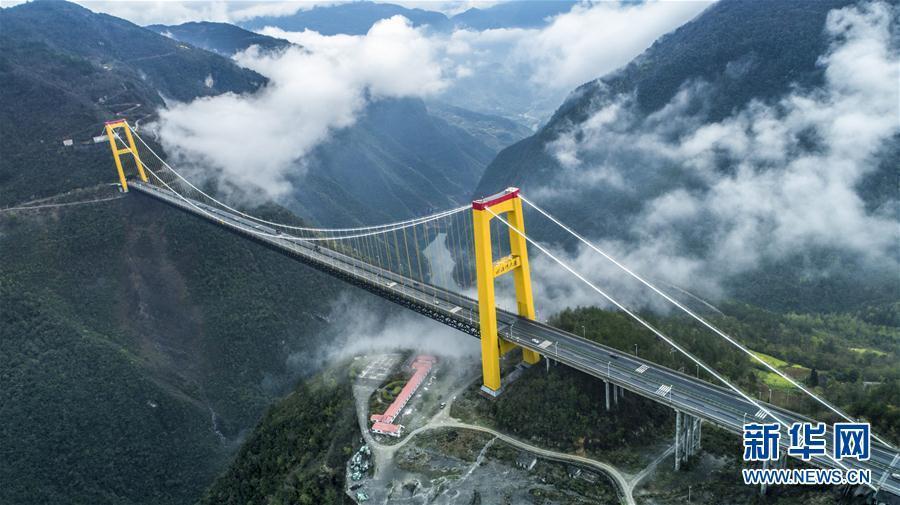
(384, 453)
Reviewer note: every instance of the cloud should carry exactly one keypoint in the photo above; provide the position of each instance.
(719, 198)
(526, 73)
(393, 59)
(261, 140)
(596, 38)
(172, 12)
(363, 327)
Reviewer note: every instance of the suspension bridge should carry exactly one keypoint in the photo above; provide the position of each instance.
(487, 240)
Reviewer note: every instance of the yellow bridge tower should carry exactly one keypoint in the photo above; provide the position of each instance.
(486, 269)
(111, 127)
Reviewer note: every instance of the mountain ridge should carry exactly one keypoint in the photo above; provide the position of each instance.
(680, 85)
(138, 344)
(222, 38)
(70, 87)
(356, 18)
(353, 18)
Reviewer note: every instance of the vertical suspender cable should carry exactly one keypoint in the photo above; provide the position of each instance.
(697, 317)
(655, 331)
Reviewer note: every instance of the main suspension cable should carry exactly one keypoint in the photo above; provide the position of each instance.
(288, 236)
(696, 316)
(653, 329)
(282, 225)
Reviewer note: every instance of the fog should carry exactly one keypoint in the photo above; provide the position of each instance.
(793, 165)
(363, 325)
(791, 184)
(261, 142)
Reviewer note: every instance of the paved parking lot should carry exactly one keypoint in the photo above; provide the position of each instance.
(380, 367)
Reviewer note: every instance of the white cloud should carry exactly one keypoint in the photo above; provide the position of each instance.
(526, 73)
(393, 59)
(260, 140)
(594, 39)
(170, 12)
(365, 327)
(794, 167)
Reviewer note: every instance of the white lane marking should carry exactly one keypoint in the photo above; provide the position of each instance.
(391, 284)
(454, 310)
(545, 344)
(888, 471)
(641, 369)
(664, 390)
(760, 415)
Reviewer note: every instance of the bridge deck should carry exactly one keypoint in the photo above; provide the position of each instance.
(692, 395)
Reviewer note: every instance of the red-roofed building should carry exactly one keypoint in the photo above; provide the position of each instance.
(384, 423)
(387, 429)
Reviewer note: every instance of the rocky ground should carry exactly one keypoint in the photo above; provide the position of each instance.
(440, 459)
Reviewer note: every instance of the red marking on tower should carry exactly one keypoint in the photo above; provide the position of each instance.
(507, 194)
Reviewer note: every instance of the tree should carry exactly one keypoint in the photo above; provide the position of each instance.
(813, 379)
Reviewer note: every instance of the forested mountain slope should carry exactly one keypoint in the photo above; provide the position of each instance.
(222, 38)
(137, 344)
(66, 70)
(396, 161)
(708, 157)
(320, 416)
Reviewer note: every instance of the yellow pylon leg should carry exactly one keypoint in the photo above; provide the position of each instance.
(490, 345)
(118, 159)
(137, 159)
(522, 275)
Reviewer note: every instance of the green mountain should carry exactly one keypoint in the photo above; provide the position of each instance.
(396, 161)
(137, 344)
(731, 62)
(118, 46)
(66, 70)
(222, 38)
(494, 131)
(754, 33)
(298, 451)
